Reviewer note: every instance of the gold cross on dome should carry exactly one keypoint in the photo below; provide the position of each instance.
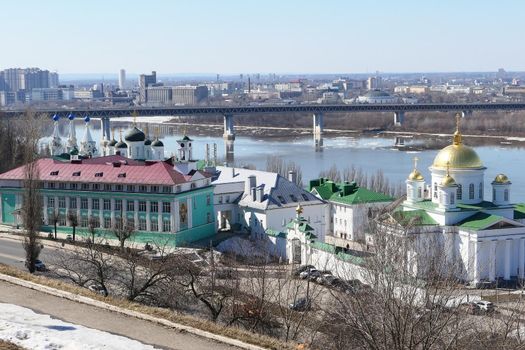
(415, 162)
(458, 121)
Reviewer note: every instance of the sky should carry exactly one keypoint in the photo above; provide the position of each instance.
(262, 36)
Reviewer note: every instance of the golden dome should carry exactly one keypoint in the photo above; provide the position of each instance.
(415, 175)
(502, 179)
(457, 156)
(448, 181)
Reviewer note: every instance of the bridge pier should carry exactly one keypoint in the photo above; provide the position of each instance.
(399, 118)
(318, 124)
(465, 113)
(229, 132)
(105, 127)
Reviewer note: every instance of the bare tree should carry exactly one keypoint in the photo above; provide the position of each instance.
(73, 222)
(55, 217)
(123, 231)
(32, 200)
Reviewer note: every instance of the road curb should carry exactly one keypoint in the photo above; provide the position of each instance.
(105, 306)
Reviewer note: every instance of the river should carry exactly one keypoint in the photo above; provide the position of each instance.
(370, 153)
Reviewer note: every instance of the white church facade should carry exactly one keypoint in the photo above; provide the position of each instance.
(482, 240)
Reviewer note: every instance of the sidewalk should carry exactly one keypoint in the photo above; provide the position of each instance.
(97, 318)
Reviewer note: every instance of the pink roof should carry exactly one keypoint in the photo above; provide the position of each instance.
(154, 173)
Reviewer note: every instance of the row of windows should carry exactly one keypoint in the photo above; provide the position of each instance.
(111, 187)
(459, 192)
(106, 223)
(106, 204)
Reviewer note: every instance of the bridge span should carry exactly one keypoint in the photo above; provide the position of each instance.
(318, 110)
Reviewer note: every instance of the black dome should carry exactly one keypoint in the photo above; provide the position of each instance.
(135, 134)
(157, 143)
(112, 143)
(147, 142)
(121, 145)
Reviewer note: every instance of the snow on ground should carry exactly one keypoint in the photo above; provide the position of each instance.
(30, 330)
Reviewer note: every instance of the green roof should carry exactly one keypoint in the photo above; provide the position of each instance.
(427, 204)
(303, 225)
(418, 217)
(324, 247)
(346, 193)
(519, 211)
(479, 221)
(275, 233)
(338, 252)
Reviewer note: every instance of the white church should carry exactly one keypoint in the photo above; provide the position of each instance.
(135, 144)
(482, 235)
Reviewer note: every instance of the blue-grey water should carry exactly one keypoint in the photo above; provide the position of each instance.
(370, 153)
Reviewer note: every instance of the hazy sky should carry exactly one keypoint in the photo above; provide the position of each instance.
(278, 36)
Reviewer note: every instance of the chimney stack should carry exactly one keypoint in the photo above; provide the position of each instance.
(292, 176)
(250, 183)
(260, 193)
(254, 193)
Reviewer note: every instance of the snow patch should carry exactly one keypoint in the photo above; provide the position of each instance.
(30, 330)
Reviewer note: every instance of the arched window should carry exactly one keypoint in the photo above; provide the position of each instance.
(506, 195)
(493, 194)
(471, 191)
(410, 192)
(419, 192)
(480, 190)
(435, 190)
(459, 192)
(452, 199)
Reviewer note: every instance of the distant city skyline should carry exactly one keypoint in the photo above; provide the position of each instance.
(292, 37)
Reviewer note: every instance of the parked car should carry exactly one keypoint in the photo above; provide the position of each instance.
(326, 279)
(39, 265)
(96, 288)
(471, 308)
(484, 305)
(302, 268)
(69, 238)
(314, 274)
(305, 274)
(301, 304)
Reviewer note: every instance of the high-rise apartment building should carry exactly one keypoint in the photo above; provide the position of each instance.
(121, 79)
(146, 80)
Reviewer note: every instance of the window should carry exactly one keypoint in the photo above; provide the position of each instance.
(142, 206)
(72, 202)
(419, 192)
(118, 204)
(208, 218)
(208, 200)
(62, 220)
(166, 189)
(281, 199)
(142, 224)
(131, 205)
(154, 189)
(166, 207)
(460, 192)
(54, 173)
(107, 204)
(83, 203)
(178, 188)
(130, 188)
(305, 197)
(193, 185)
(493, 194)
(220, 200)
(435, 189)
(84, 221)
(95, 221)
(293, 197)
(480, 190)
(107, 222)
(122, 175)
(85, 187)
(76, 173)
(228, 199)
(154, 225)
(166, 226)
(62, 185)
(95, 203)
(471, 191)
(107, 187)
(119, 188)
(154, 207)
(451, 199)
(50, 185)
(61, 202)
(99, 174)
(96, 187)
(143, 188)
(73, 186)
(506, 195)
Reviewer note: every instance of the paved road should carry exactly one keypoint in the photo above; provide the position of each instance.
(90, 316)
(12, 253)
